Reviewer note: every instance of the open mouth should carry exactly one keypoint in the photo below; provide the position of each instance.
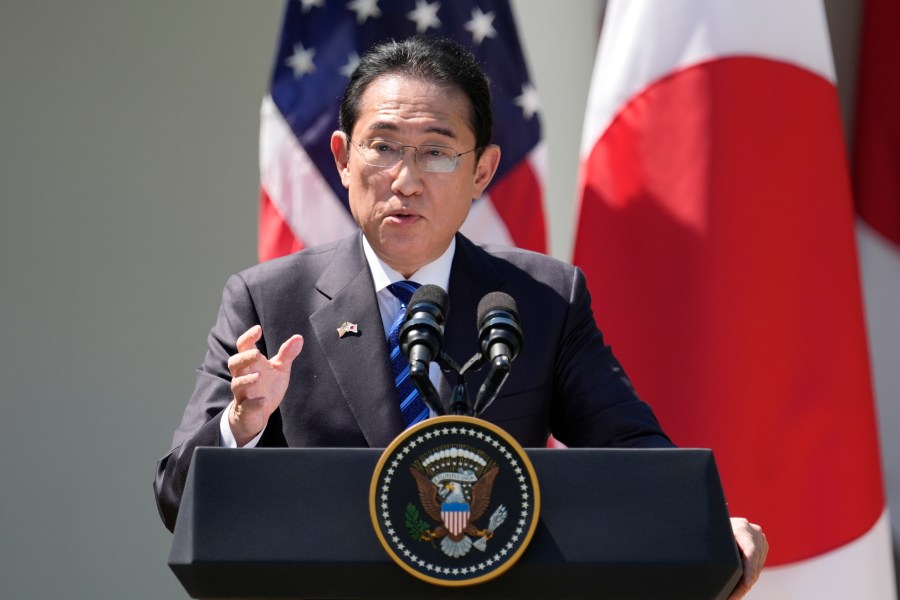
(403, 218)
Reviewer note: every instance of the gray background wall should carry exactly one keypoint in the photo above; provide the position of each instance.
(128, 175)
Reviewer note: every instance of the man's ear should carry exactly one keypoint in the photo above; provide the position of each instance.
(485, 169)
(341, 156)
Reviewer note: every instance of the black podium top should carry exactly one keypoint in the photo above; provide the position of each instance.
(294, 523)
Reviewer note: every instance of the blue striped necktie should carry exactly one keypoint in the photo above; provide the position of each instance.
(411, 406)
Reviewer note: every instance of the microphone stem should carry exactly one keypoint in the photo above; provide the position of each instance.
(495, 379)
(460, 404)
(418, 372)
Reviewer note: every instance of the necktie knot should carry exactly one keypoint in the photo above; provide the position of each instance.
(403, 290)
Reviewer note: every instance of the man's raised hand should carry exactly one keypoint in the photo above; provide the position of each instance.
(258, 383)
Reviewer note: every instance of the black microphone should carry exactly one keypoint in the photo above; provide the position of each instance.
(501, 340)
(421, 338)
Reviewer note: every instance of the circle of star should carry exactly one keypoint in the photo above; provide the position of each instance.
(500, 555)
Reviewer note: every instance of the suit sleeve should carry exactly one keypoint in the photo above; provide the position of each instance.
(595, 403)
(212, 395)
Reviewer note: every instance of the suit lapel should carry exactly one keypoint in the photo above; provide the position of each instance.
(359, 361)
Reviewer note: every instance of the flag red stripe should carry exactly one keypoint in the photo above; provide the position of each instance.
(518, 200)
(716, 233)
(275, 236)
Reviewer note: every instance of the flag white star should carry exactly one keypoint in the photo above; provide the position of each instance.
(365, 9)
(529, 101)
(311, 4)
(352, 63)
(425, 16)
(481, 25)
(301, 61)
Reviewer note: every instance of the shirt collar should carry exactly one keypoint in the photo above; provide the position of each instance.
(435, 273)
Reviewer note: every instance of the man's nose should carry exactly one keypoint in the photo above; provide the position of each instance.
(408, 175)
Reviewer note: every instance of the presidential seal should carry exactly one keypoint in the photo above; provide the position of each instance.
(454, 500)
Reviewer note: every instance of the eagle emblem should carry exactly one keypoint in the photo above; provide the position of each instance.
(454, 500)
(457, 498)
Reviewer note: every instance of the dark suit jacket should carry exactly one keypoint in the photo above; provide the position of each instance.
(565, 380)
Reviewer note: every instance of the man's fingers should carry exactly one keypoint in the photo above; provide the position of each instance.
(243, 362)
(754, 548)
(248, 339)
(289, 350)
(245, 387)
(257, 383)
(761, 544)
(248, 355)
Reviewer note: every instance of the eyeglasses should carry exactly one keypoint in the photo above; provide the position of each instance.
(384, 154)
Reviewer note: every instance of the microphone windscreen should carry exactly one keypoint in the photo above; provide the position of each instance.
(497, 301)
(432, 294)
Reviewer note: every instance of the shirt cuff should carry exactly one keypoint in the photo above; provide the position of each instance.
(226, 436)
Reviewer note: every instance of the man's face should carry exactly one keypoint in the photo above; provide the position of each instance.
(409, 215)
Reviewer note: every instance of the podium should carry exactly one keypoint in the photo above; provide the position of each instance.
(615, 524)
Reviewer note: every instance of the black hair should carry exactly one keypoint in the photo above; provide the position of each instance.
(434, 59)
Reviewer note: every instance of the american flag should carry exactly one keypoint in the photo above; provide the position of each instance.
(302, 202)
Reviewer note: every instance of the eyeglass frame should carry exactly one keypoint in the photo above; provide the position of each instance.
(403, 147)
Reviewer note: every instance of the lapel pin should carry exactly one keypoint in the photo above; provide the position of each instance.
(347, 327)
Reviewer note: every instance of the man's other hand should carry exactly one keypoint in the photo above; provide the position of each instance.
(754, 547)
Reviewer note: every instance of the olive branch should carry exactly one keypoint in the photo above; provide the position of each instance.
(416, 526)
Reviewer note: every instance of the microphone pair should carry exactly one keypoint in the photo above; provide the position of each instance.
(421, 341)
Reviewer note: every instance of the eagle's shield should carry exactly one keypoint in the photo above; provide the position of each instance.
(455, 516)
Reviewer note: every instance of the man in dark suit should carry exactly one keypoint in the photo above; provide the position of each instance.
(413, 152)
